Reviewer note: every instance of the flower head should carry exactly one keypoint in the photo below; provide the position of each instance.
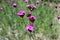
(30, 28)
(21, 13)
(38, 1)
(31, 7)
(50, 5)
(14, 4)
(26, 1)
(32, 18)
(58, 17)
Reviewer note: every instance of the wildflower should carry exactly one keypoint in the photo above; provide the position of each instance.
(50, 5)
(31, 7)
(21, 13)
(26, 1)
(14, 4)
(30, 28)
(38, 1)
(58, 17)
(32, 18)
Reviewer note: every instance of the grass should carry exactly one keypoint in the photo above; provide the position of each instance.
(13, 27)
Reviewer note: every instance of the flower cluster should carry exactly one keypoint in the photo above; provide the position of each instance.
(30, 17)
(31, 7)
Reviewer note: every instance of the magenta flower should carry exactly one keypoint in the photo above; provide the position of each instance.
(30, 28)
(50, 5)
(32, 18)
(31, 7)
(14, 4)
(21, 13)
(38, 1)
(58, 17)
(26, 1)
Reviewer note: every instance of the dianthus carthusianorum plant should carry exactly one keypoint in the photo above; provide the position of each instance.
(28, 20)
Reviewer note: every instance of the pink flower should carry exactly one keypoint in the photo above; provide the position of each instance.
(21, 13)
(26, 1)
(31, 7)
(14, 4)
(30, 28)
(32, 18)
(38, 1)
(50, 5)
(58, 17)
